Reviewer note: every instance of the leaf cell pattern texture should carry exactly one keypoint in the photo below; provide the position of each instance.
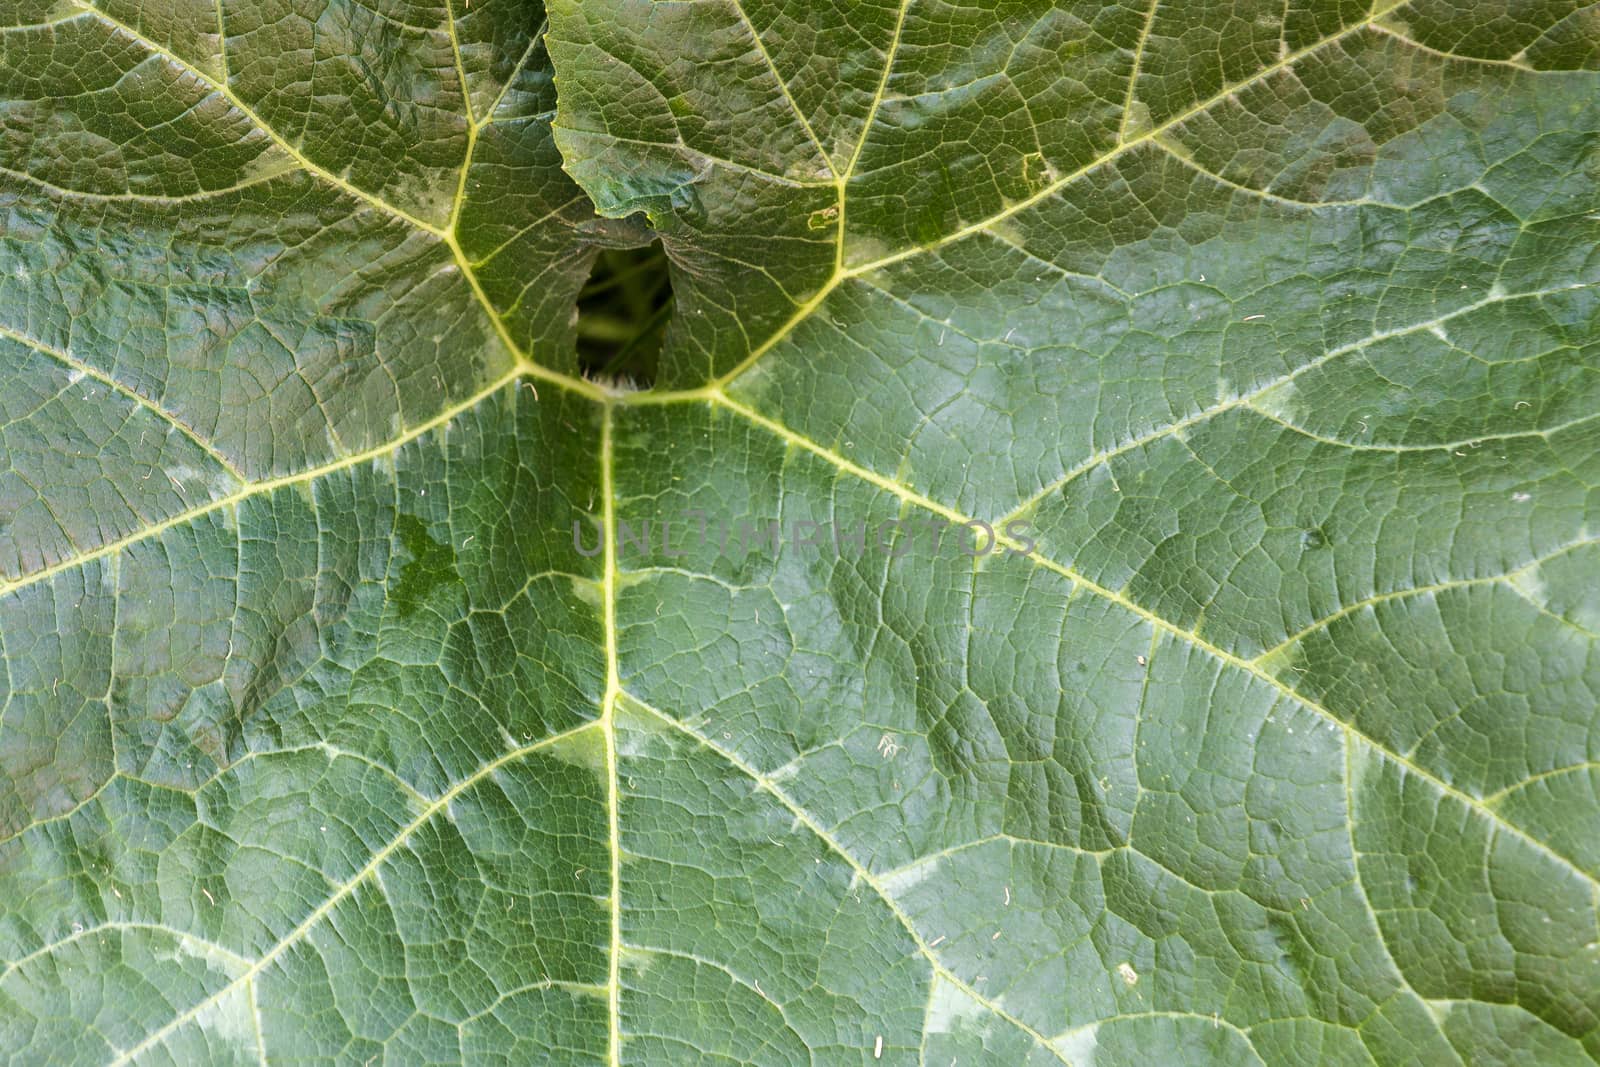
(1266, 336)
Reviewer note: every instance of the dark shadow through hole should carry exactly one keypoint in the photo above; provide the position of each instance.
(623, 311)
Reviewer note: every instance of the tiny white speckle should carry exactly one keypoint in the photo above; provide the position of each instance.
(877, 1048)
(935, 942)
(1522, 498)
(1252, 318)
(1128, 974)
(1143, 660)
(1008, 896)
(995, 936)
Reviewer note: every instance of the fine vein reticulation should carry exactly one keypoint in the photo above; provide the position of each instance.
(1299, 670)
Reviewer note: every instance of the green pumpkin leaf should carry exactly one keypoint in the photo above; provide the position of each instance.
(377, 684)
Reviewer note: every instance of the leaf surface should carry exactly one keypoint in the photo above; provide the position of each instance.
(1264, 334)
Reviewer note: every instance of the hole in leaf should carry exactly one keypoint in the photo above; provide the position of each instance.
(623, 311)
